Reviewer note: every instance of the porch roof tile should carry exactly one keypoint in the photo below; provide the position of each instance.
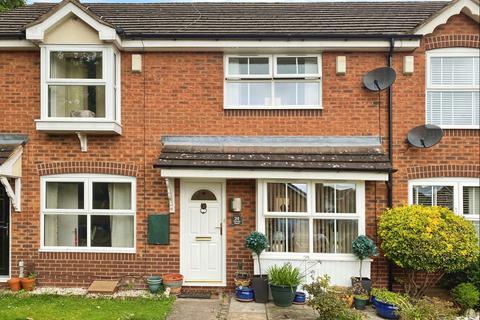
(8, 144)
(296, 153)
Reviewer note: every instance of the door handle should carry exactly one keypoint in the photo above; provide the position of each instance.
(4, 227)
(220, 227)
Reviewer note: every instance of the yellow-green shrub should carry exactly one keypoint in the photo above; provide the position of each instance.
(427, 239)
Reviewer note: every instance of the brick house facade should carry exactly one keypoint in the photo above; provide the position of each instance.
(180, 92)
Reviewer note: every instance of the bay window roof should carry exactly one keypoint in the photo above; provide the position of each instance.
(356, 153)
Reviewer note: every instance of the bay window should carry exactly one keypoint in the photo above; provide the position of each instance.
(80, 89)
(461, 195)
(453, 87)
(88, 213)
(321, 217)
(273, 82)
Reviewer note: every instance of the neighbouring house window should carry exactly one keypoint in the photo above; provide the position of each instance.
(80, 83)
(460, 195)
(312, 217)
(88, 213)
(273, 81)
(453, 86)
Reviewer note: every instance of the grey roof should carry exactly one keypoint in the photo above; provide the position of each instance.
(299, 153)
(8, 144)
(247, 20)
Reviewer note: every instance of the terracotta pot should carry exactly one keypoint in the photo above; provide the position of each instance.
(173, 281)
(28, 284)
(14, 284)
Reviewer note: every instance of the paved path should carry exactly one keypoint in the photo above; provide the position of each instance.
(199, 309)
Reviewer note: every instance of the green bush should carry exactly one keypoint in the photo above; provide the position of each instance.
(286, 275)
(393, 298)
(427, 240)
(363, 247)
(257, 242)
(469, 274)
(428, 309)
(466, 295)
(325, 301)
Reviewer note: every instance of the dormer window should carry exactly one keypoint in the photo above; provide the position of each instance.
(80, 89)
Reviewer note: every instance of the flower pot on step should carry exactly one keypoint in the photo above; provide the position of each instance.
(283, 295)
(260, 288)
(154, 283)
(360, 302)
(14, 284)
(28, 283)
(173, 281)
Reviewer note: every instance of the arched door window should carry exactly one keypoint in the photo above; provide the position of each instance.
(204, 195)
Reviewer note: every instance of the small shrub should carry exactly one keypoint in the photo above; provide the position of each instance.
(469, 274)
(428, 309)
(427, 240)
(466, 295)
(325, 300)
(393, 298)
(363, 247)
(257, 242)
(286, 275)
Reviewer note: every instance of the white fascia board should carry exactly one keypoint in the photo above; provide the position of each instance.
(17, 44)
(37, 32)
(274, 174)
(245, 45)
(240, 46)
(469, 7)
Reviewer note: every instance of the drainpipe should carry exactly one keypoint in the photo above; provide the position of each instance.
(390, 153)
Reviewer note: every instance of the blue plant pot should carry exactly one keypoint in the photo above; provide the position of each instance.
(299, 297)
(244, 294)
(385, 310)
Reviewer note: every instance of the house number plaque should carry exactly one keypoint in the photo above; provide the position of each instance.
(237, 220)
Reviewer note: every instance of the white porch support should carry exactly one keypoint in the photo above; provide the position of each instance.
(170, 182)
(12, 169)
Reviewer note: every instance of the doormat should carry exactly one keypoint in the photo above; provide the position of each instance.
(107, 287)
(195, 295)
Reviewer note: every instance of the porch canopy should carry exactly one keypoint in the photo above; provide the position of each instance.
(11, 149)
(306, 157)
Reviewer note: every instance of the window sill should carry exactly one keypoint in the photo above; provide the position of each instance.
(453, 127)
(88, 250)
(106, 127)
(310, 256)
(273, 108)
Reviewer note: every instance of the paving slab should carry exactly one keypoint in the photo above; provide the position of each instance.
(196, 309)
(246, 311)
(298, 312)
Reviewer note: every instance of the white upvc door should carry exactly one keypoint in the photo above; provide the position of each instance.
(201, 239)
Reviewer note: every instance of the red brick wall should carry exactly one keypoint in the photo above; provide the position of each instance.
(181, 93)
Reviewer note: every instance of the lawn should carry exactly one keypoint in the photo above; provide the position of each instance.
(54, 307)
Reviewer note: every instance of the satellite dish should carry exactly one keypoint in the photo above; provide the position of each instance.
(379, 79)
(425, 136)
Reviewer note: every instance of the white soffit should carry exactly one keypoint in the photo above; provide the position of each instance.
(274, 174)
(469, 7)
(37, 32)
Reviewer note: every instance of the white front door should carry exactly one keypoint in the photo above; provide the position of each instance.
(201, 216)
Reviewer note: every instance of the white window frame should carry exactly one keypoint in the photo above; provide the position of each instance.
(272, 78)
(447, 53)
(112, 112)
(88, 180)
(456, 183)
(310, 215)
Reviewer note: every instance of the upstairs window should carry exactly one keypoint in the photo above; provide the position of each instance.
(80, 85)
(453, 87)
(273, 82)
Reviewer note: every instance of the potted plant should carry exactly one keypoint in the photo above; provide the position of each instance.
(154, 283)
(363, 247)
(284, 281)
(173, 281)
(360, 301)
(14, 284)
(241, 277)
(388, 303)
(29, 283)
(257, 243)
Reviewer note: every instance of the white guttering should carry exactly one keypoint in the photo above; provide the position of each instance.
(242, 45)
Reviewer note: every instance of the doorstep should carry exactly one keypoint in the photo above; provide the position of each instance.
(246, 310)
